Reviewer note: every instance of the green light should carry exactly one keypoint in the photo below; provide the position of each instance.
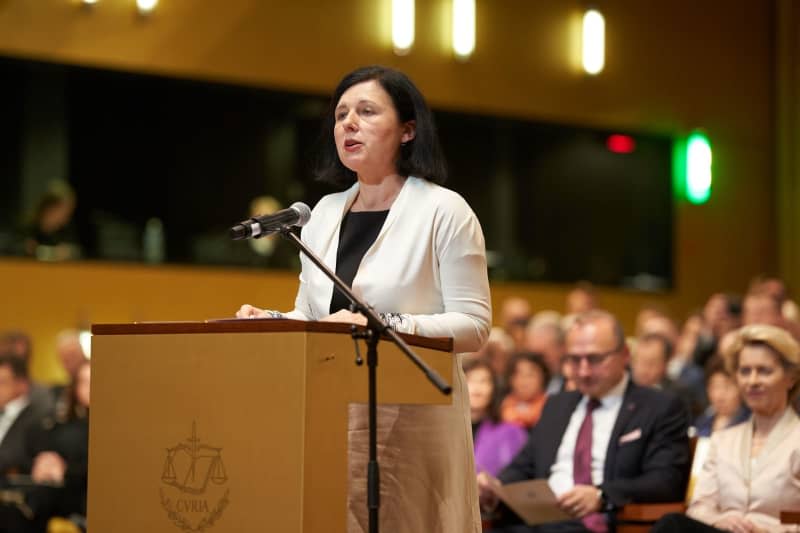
(698, 169)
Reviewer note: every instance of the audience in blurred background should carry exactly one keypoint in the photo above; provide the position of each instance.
(44, 426)
(527, 377)
(725, 407)
(44, 437)
(683, 358)
(496, 441)
(514, 315)
(51, 234)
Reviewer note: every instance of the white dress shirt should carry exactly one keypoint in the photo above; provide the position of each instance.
(10, 413)
(603, 419)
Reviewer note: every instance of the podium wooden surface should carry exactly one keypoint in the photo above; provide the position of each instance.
(234, 426)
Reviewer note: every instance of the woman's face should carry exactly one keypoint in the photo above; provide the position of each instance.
(368, 132)
(723, 395)
(527, 382)
(762, 380)
(480, 386)
(82, 381)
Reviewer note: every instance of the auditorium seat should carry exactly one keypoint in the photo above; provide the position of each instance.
(640, 517)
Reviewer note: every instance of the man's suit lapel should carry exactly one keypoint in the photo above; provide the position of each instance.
(15, 431)
(626, 412)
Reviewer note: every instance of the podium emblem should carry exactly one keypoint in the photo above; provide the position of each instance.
(193, 484)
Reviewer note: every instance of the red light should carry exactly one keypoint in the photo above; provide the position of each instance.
(620, 144)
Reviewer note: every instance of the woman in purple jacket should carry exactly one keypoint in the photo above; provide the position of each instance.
(496, 442)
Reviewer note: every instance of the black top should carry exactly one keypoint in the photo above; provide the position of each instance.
(358, 231)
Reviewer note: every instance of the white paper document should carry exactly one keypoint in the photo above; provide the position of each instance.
(532, 500)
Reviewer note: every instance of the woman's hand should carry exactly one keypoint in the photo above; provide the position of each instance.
(347, 317)
(248, 311)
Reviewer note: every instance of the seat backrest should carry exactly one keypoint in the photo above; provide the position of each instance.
(698, 447)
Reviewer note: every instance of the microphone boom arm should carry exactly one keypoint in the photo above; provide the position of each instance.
(374, 321)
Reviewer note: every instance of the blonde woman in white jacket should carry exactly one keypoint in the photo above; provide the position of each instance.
(752, 470)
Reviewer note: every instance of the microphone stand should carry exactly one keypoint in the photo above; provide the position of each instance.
(374, 330)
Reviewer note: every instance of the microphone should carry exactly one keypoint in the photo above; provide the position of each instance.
(298, 214)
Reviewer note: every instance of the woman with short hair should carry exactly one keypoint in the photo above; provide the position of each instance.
(752, 471)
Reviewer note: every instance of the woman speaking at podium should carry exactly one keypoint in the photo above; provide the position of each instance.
(415, 252)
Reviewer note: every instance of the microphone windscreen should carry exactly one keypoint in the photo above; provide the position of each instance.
(303, 211)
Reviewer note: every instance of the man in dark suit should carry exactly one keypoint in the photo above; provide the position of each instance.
(649, 363)
(21, 423)
(609, 443)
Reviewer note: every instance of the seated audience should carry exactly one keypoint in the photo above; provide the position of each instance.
(515, 314)
(60, 466)
(496, 442)
(20, 421)
(752, 470)
(18, 344)
(71, 356)
(649, 369)
(527, 377)
(726, 408)
(70, 352)
(652, 321)
(497, 351)
(568, 372)
(609, 443)
(545, 337)
(721, 314)
(52, 236)
(764, 305)
(649, 361)
(761, 307)
(581, 299)
(681, 367)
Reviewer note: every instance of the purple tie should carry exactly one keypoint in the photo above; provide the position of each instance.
(582, 464)
(582, 458)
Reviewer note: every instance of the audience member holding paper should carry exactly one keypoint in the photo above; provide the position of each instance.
(609, 443)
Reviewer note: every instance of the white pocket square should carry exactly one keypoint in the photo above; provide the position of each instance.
(631, 436)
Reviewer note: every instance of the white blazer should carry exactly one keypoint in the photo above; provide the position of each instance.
(428, 264)
(759, 488)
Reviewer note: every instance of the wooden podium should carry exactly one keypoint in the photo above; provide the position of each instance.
(234, 426)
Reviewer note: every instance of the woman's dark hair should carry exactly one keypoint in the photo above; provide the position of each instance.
(493, 410)
(421, 157)
(535, 359)
(715, 365)
(68, 407)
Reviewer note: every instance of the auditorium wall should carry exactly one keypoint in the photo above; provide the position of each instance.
(672, 66)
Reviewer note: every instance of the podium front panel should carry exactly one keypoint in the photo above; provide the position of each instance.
(197, 431)
(233, 431)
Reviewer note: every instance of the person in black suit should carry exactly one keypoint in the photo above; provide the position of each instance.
(20, 421)
(21, 429)
(638, 450)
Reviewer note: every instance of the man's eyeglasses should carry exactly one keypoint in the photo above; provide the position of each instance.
(594, 359)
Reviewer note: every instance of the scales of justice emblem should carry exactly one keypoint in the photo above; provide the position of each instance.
(193, 491)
